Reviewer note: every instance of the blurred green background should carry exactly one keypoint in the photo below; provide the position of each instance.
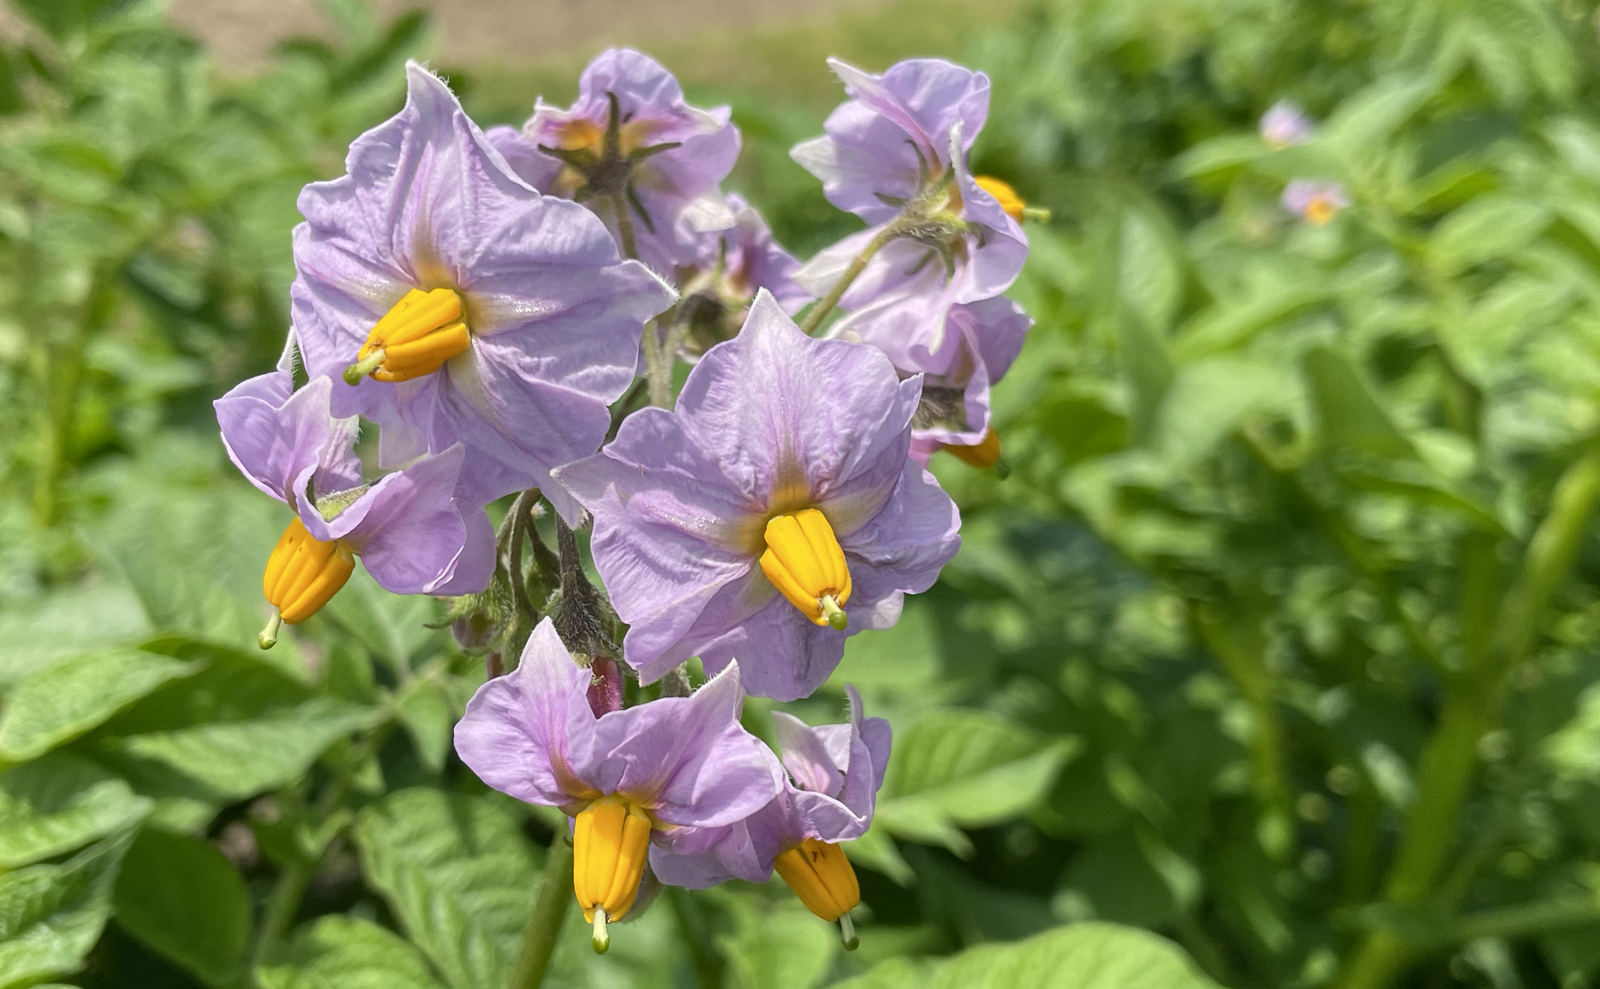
(1279, 641)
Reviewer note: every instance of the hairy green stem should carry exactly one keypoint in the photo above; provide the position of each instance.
(543, 932)
(857, 265)
(1450, 758)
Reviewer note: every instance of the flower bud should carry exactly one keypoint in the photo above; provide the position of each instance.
(610, 845)
(806, 564)
(822, 877)
(416, 337)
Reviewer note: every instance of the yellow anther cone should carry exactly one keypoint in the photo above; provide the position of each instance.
(610, 844)
(1002, 191)
(984, 454)
(302, 575)
(822, 877)
(806, 564)
(416, 337)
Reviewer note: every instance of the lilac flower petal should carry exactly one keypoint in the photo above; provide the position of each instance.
(515, 733)
(806, 757)
(280, 441)
(686, 758)
(894, 127)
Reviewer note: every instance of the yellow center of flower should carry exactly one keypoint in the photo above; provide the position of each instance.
(1320, 210)
(805, 563)
(610, 844)
(302, 575)
(1002, 191)
(416, 337)
(983, 455)
(821, 876)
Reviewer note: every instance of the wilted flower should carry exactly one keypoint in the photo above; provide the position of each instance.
(659, 773)
(778, 493)
(634, 151)
(1316, 201)
(410, 530)
(730, 267)
(1285, 124)
(895, 155)
(834, 773)
(461, 305)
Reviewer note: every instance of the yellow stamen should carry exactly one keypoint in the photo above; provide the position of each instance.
(1320, 211)
(821, 876)
(302, 574)
(806, 564)
(983, 455)
(610, 842)
(416, 337)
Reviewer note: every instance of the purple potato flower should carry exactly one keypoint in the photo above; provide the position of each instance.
(982, 341)
(530, 323)
(1316, 201)
(778, 492)
(411, 529)
(833, 776)
(632, 146)
(1285, 124)
(666, 773)
(895, 154)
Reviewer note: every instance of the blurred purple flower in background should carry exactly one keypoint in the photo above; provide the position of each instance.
(1285, 124)
(1316, 201)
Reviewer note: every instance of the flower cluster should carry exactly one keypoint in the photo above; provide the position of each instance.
(489, 300)
(1316, 201)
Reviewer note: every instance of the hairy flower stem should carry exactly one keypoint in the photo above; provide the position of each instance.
(1450, 758)
(857, 265)
(540, 936)
(521, 519)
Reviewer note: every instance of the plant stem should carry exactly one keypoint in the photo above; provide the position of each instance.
(694, 927)
(1241, 647)
(630, 246)
(1450, 757)
(543, 932)
(857, 265)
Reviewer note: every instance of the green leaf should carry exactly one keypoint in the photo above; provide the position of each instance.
(1365, 122)
(876, 850)
(339, 952)
(235, 759)
(1348, 413)
(777, 945)
(1079, 956)
(459, 875)
(51, 915)
(195, 559)
(956, 769)
(55, 628)
(1489, 227)
(185, 899)
(392, 626)
(427, 710)
(59, 803)
(1149, 276)
(68, 698)
(1208, 399)
(1147, 370)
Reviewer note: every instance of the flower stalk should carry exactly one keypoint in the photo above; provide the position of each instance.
(540, 936)
(858, 264)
